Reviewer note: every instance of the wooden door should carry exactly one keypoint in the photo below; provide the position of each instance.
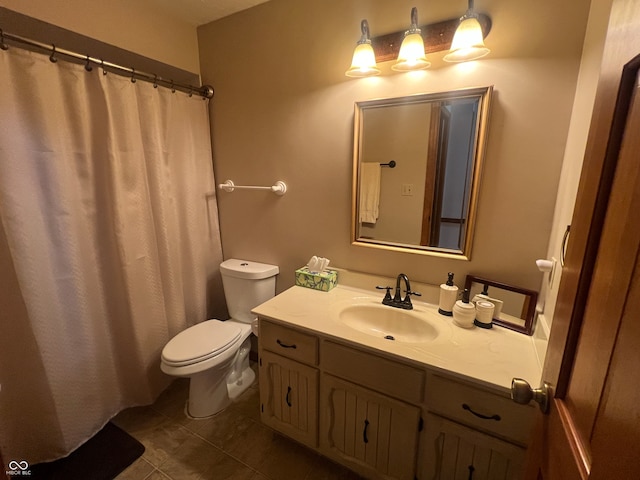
(434, 176)
(593, 428)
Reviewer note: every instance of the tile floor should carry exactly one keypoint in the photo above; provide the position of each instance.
(231, 445)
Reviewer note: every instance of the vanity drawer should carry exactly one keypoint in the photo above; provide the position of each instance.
(288, 342)
(480, 409)
(380, 374)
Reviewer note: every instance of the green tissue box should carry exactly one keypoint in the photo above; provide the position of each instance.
(324, 281)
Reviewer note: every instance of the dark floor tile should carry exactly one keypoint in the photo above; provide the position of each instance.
(269, 453)
(259, 476)
(287, 459)
(325, 469)
(157, 475)
(247, 404)
(222, 430)
(138, 419)
(161, 436)
(172, 401)
(198, 460)
(137, 470)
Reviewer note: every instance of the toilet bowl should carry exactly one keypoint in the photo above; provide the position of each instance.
(214, 354)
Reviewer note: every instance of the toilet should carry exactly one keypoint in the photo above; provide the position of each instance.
(214, 354)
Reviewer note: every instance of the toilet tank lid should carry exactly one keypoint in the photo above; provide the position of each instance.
(247, 269)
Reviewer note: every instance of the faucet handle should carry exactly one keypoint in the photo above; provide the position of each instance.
(387, 300)
(406, 303)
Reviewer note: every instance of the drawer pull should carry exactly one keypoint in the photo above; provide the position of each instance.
(364, 433)
(288, 397)
(284, 345)
(495, 417)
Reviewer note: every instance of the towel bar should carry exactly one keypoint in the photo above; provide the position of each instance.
(280, 188)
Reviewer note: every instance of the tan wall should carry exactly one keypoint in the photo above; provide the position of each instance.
(284, 111)
(132, 25)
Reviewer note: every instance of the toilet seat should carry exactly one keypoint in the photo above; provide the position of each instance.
(200, 342)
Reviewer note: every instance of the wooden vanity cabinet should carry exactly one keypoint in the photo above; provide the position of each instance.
(450, 450)
(472, 433)
(289, 388)
(373, 434)
(383, 418)
(366, 421)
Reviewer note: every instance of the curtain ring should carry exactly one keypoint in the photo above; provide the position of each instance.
(52, 57)
(88, 66)
(104, 70)
(173, 90)
(3, 45)
(155, 80)
(133, 75)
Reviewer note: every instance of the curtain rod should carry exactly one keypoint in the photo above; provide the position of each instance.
(205, 91)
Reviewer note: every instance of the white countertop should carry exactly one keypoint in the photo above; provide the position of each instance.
(490, 357)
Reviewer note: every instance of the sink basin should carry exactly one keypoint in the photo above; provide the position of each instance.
(387, 322)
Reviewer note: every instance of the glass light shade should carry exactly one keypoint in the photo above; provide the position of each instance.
(467, 43)
(411, 56)
(363, 63)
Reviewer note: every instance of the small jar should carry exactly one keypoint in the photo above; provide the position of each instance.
(484, 314)
(464, 314)
(496, 303)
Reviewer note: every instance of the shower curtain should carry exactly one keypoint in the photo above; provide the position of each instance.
(109, 246)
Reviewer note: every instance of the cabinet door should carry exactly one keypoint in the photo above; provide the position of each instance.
(450, 451)
(289, 397)
(374, 434)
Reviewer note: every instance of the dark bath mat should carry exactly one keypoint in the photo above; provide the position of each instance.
(102, 457)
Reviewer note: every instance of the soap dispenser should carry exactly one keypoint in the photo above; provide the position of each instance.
(484, 295)
(464, 312)
(448, 296)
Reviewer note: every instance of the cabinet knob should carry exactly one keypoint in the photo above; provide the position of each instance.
(522, 393)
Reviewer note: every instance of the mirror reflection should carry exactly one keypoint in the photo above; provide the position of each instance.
(417, 163)
(514, 306)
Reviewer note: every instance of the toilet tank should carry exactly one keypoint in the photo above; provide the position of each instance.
(247, 285)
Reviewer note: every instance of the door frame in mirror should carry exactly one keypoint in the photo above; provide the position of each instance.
(484, 95)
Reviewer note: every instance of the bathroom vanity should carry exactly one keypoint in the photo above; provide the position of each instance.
(433, 402)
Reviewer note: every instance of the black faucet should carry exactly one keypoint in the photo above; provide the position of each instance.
(397, 300)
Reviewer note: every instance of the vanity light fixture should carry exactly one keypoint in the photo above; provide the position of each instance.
(363, 63)
(412, 56)
(468, 42)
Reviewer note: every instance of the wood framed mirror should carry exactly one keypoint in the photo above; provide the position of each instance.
(518, 306)
(416, 171)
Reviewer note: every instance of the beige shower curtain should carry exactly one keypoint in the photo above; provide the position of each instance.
(109, 245)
